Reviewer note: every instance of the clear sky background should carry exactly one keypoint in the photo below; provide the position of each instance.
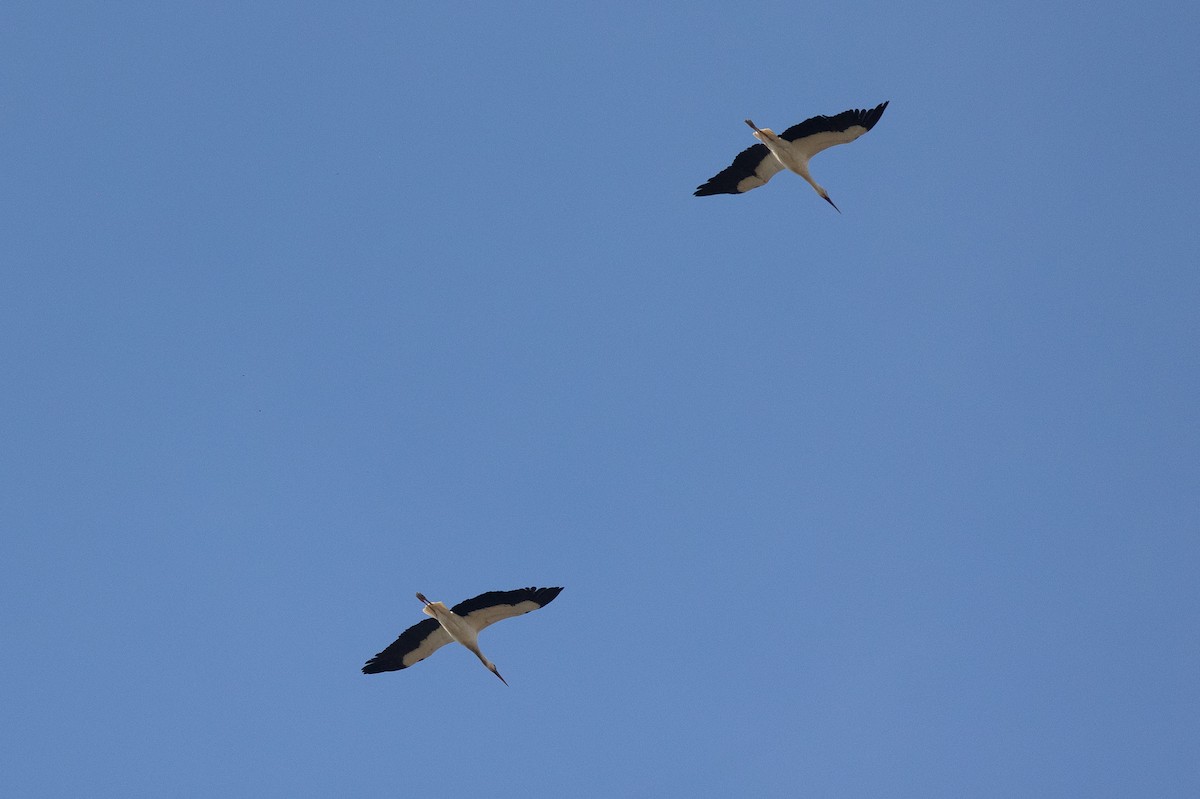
(310, 306)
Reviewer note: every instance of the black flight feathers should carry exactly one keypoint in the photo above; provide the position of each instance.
(542, 596)
(867, 117)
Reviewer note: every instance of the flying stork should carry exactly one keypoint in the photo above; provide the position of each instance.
(755, 165)
(460, 623)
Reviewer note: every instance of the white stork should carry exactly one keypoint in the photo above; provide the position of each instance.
(460, 623)
(756, 165)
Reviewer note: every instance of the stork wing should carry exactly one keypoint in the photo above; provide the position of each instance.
(753, 167)
(820, 133)
(489, 608)
(414, 645)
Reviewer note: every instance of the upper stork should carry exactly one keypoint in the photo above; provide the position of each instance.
(460, 623)
(755, 165)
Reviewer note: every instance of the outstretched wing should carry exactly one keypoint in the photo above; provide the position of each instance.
(820, 133)
(414, 645)
(753, 167)
(489, 608)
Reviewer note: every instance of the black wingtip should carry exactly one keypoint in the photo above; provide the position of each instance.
(376, 666)
(745, 165)
(544, 596)
(869, 118)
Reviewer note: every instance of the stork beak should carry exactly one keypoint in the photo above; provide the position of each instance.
(826, 196)
(497, 673)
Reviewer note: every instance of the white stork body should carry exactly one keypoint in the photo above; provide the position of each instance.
(792, 150)
(462, 623)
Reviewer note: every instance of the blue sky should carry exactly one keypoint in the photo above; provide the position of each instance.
(311, 306)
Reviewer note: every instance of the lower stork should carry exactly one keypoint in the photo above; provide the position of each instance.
(755, 165)
(460, 623)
